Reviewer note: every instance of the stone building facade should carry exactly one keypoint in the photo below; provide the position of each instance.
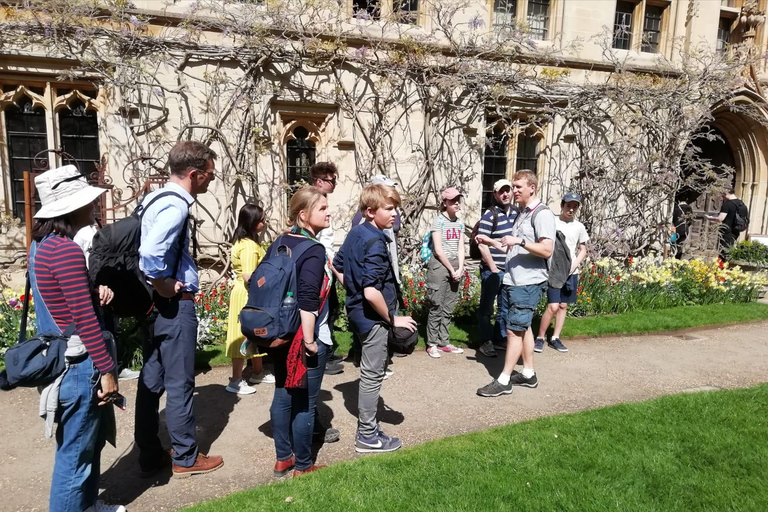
(46, 121)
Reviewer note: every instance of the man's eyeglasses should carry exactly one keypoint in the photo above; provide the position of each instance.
(332, 181)
(211, 172)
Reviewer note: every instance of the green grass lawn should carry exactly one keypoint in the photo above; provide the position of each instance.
(690, 452)
(463, 333)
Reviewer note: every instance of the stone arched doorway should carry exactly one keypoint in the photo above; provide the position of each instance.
(742, 145)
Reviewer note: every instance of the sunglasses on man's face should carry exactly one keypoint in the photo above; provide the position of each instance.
(332, 181)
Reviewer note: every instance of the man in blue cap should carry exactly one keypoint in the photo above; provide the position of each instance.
(576, 239)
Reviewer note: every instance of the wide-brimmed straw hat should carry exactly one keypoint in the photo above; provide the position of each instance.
(62, 191)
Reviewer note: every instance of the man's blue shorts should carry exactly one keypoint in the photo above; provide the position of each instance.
(522, 301)
(567, 294)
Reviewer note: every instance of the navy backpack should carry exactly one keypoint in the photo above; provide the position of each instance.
(271, 317)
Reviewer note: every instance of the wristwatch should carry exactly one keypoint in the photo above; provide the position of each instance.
(522, 242)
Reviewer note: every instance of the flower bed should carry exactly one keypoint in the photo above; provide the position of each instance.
(212, 307)
(609, 286)
(414, 289)
(11, 302)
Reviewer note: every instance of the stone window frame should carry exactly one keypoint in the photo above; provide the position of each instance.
(637, 31)
(521, 8)
(52, 97)
(515, 128)
(386, 10)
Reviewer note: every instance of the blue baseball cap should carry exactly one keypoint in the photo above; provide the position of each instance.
(572, 196)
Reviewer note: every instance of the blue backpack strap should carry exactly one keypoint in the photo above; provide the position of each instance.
(301, 248)
(141, 209)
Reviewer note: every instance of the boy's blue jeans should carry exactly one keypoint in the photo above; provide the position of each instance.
(490, 292)
(80, 437)
(293, 414)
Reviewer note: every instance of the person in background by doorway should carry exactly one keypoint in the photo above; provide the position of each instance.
(729, 229)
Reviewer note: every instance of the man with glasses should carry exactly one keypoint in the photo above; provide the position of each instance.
(169, 354)
(323, 175)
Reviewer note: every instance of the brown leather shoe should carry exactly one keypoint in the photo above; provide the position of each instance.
(310, 469)
(282, 467)
(203, 464)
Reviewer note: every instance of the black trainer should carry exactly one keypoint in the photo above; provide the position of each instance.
(556, 344)
(495, 388)
(538, 345)
(518, 379)
(334, 368)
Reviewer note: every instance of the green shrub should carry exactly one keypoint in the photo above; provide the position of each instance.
(749, 251)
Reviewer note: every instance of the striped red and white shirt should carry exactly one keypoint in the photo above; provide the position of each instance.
(62, 280)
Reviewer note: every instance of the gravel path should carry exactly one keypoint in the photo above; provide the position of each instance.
(425, 399)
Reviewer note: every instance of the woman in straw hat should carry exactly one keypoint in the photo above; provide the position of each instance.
(64, 300)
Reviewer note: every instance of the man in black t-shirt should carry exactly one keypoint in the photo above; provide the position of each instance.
(727, 219)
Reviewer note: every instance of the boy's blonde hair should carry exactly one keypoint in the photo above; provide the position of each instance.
(378, 196)
(303, 199)
(528, 176)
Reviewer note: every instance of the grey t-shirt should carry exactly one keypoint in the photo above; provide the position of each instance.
(450, 234)
(523, 268)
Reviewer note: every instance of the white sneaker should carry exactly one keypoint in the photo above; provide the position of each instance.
(433, 352)
(240, 387)
(388, 373)
(100, 506)
(128, 374)
(262, 378)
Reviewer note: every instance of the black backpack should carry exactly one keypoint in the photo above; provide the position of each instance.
(474, 247)
(741, 219)
(559, 264)
(114, 262)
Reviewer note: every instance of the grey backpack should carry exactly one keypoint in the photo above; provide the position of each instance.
(559, 264)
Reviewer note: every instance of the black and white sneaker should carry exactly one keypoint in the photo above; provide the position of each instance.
(538, 345)
(518, 379)
(487, 349)
(556, 344)
(495, 388)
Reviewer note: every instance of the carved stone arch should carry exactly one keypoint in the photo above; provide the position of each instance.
(315, 131)
(748, 140)
(12, 97)
(66, 100)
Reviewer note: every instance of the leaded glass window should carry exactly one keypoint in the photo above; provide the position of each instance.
(494, 161)
(527, 152)
(504, 13)
(26, 134)
(652, 28)
(369, 9)
(406, 11)
(79, 134)
(300, 153)
(622, 25)
(724, 34)
(538, 18)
